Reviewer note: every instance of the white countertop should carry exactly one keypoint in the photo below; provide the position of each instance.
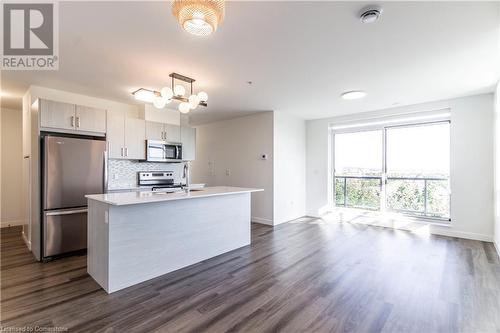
(133, 198)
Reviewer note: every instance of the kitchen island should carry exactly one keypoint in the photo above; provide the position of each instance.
(137, 236)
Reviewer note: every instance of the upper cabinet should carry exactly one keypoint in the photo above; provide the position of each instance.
(115, 136)
(188, 139)
(135, 139)
(155, 130)
(173, 133)
(164, 132)
(65, 116)
(90, 119)
(126, 138)
(57, 115)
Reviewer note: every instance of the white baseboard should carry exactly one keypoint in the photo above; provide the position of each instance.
(11, 223)
(461, 234)
(262, 220)
(26, 241)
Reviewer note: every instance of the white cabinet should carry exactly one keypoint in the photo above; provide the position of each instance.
(65, 116)
(173, 133)
(155, 130)
(188, 139)
(164, 132)
(135, 139)
(90, 119)
(57, 115)
(115, 136)
(126, 138)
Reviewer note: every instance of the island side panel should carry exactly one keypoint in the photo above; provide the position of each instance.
(149, 240)
(97, 242)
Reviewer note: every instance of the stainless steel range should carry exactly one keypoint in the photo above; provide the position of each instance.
(159, 181)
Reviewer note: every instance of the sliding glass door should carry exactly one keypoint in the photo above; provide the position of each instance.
(395, 168)
(418, 169)
(358, 169)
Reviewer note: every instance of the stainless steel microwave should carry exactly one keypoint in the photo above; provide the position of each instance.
(162, 151)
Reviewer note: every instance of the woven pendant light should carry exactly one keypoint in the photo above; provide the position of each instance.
(199, 17)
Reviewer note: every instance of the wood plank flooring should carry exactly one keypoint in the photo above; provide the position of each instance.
(304, 276)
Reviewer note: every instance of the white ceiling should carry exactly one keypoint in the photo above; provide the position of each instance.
(299, 55)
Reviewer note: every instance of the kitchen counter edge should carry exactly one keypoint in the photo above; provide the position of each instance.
(135, 198)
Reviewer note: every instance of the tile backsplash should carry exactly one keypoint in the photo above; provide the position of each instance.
(123, 173)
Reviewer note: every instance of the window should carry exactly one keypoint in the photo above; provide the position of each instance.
(396, 168)
(418, 169)
(358, 169)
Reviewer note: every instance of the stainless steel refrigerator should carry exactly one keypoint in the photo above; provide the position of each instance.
(72, 167)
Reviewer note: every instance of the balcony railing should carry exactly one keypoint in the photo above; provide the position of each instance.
(417, 196)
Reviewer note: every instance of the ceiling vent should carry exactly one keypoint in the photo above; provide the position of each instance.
(370, 14)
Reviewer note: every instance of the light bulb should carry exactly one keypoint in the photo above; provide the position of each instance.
(179, 90)
(184, 107)
(159, 102)
(166, 92)
(203, 96)
(193, 101)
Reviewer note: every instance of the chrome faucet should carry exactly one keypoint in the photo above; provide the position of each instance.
(185, 175)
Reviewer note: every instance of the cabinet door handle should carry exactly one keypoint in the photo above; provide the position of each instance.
(77, 121)
(122, 152)
(126, 151)
(72, 121)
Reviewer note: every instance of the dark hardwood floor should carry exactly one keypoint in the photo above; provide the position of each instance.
(306, 276)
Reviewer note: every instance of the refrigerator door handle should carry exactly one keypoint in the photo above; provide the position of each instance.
(105, 171)
(67, 212)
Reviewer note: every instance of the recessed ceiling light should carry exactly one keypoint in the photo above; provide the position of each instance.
(355, 94)
(370, 14)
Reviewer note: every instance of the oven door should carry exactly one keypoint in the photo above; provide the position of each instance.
(171, 152)
(155, 151)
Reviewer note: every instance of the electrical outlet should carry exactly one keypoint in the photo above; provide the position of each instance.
(228, 172)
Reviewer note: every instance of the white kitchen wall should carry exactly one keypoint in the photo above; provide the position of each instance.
(229, 153)
(497, 169)
(471, 163)
(12, 200)
(289, 167)
(122, 174)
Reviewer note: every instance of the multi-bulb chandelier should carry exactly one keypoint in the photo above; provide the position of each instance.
(176, 92)
(199, 17)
